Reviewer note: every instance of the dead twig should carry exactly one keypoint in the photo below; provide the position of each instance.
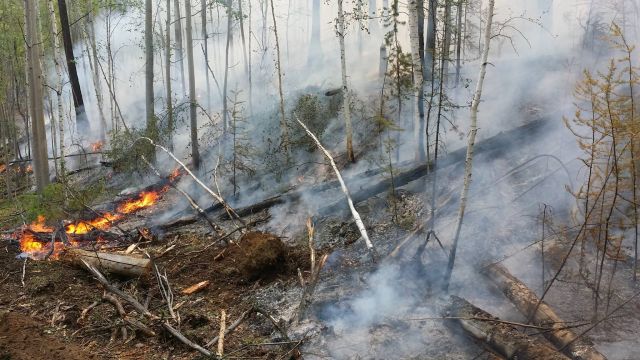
(223, 319)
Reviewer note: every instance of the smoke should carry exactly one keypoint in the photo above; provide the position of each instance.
(535, 62)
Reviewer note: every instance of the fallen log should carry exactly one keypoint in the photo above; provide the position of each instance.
(498, 336)
(495, 146)
(129, 266)
(525, 300)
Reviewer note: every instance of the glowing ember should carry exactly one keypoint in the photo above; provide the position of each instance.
(97, 146)
(3, 168)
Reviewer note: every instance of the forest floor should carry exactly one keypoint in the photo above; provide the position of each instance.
(360, 309)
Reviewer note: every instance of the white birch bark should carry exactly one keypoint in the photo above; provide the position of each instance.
(346, 111)
(354, 212)
(418, 81)
(468, 167)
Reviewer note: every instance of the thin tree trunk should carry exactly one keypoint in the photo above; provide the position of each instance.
(179, 45)
(346, 101)
(169, 100)
(193, 102)
(34, 73)
(82, 122)
(459, 10)
(475, 104)
(152, 130)
(284, 131)
(225, 103)
(430, 50)
(205, 39)
(418, 80)
(315, 49)
(58, 89)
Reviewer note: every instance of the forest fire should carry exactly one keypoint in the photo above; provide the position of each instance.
(97, 146)
(33, 237)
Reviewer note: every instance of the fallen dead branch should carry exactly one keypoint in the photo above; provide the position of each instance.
(195, 288)
(499, 337)
(223, 318)
(231, 327)
(191, 201)
(345, 190)
(113, 263)
(218, 197)
(142, 310)
(525, 300)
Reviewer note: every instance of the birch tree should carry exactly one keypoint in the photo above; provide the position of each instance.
(468, 166)
(346, 110)
(418, 80)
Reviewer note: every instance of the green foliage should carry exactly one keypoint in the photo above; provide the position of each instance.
(127, 147)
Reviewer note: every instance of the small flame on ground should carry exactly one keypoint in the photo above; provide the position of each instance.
(3, 168)
(97, 146)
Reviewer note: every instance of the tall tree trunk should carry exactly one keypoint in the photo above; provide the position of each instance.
(373, 22)
(346, 106)
(315, 48)
(39, 152)
(90, 39)
(225, 103)
(430, 50)
(418, 80)
(468, 166)
(205, 39)
(82, 121)
(193, 104)
(446, 43)
(55, 45)
(284, 131)
(152, 130)
(167, 54)
(179, 45)
(459, 9)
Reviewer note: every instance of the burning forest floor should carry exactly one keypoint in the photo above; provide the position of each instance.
(252, 267)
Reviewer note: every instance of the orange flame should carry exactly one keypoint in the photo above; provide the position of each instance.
(97, 146)
(3, 168)
(31, 245)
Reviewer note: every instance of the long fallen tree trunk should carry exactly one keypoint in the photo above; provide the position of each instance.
(126, 265)
(498, 336)
(493, 147)
(365, 188)
(525, 300)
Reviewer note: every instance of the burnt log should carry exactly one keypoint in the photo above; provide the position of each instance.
(495, 146)
(125, 265)
(497, 335)
(541, 314)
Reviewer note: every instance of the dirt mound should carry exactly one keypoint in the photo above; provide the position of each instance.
(23, 338)
(259, 255)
